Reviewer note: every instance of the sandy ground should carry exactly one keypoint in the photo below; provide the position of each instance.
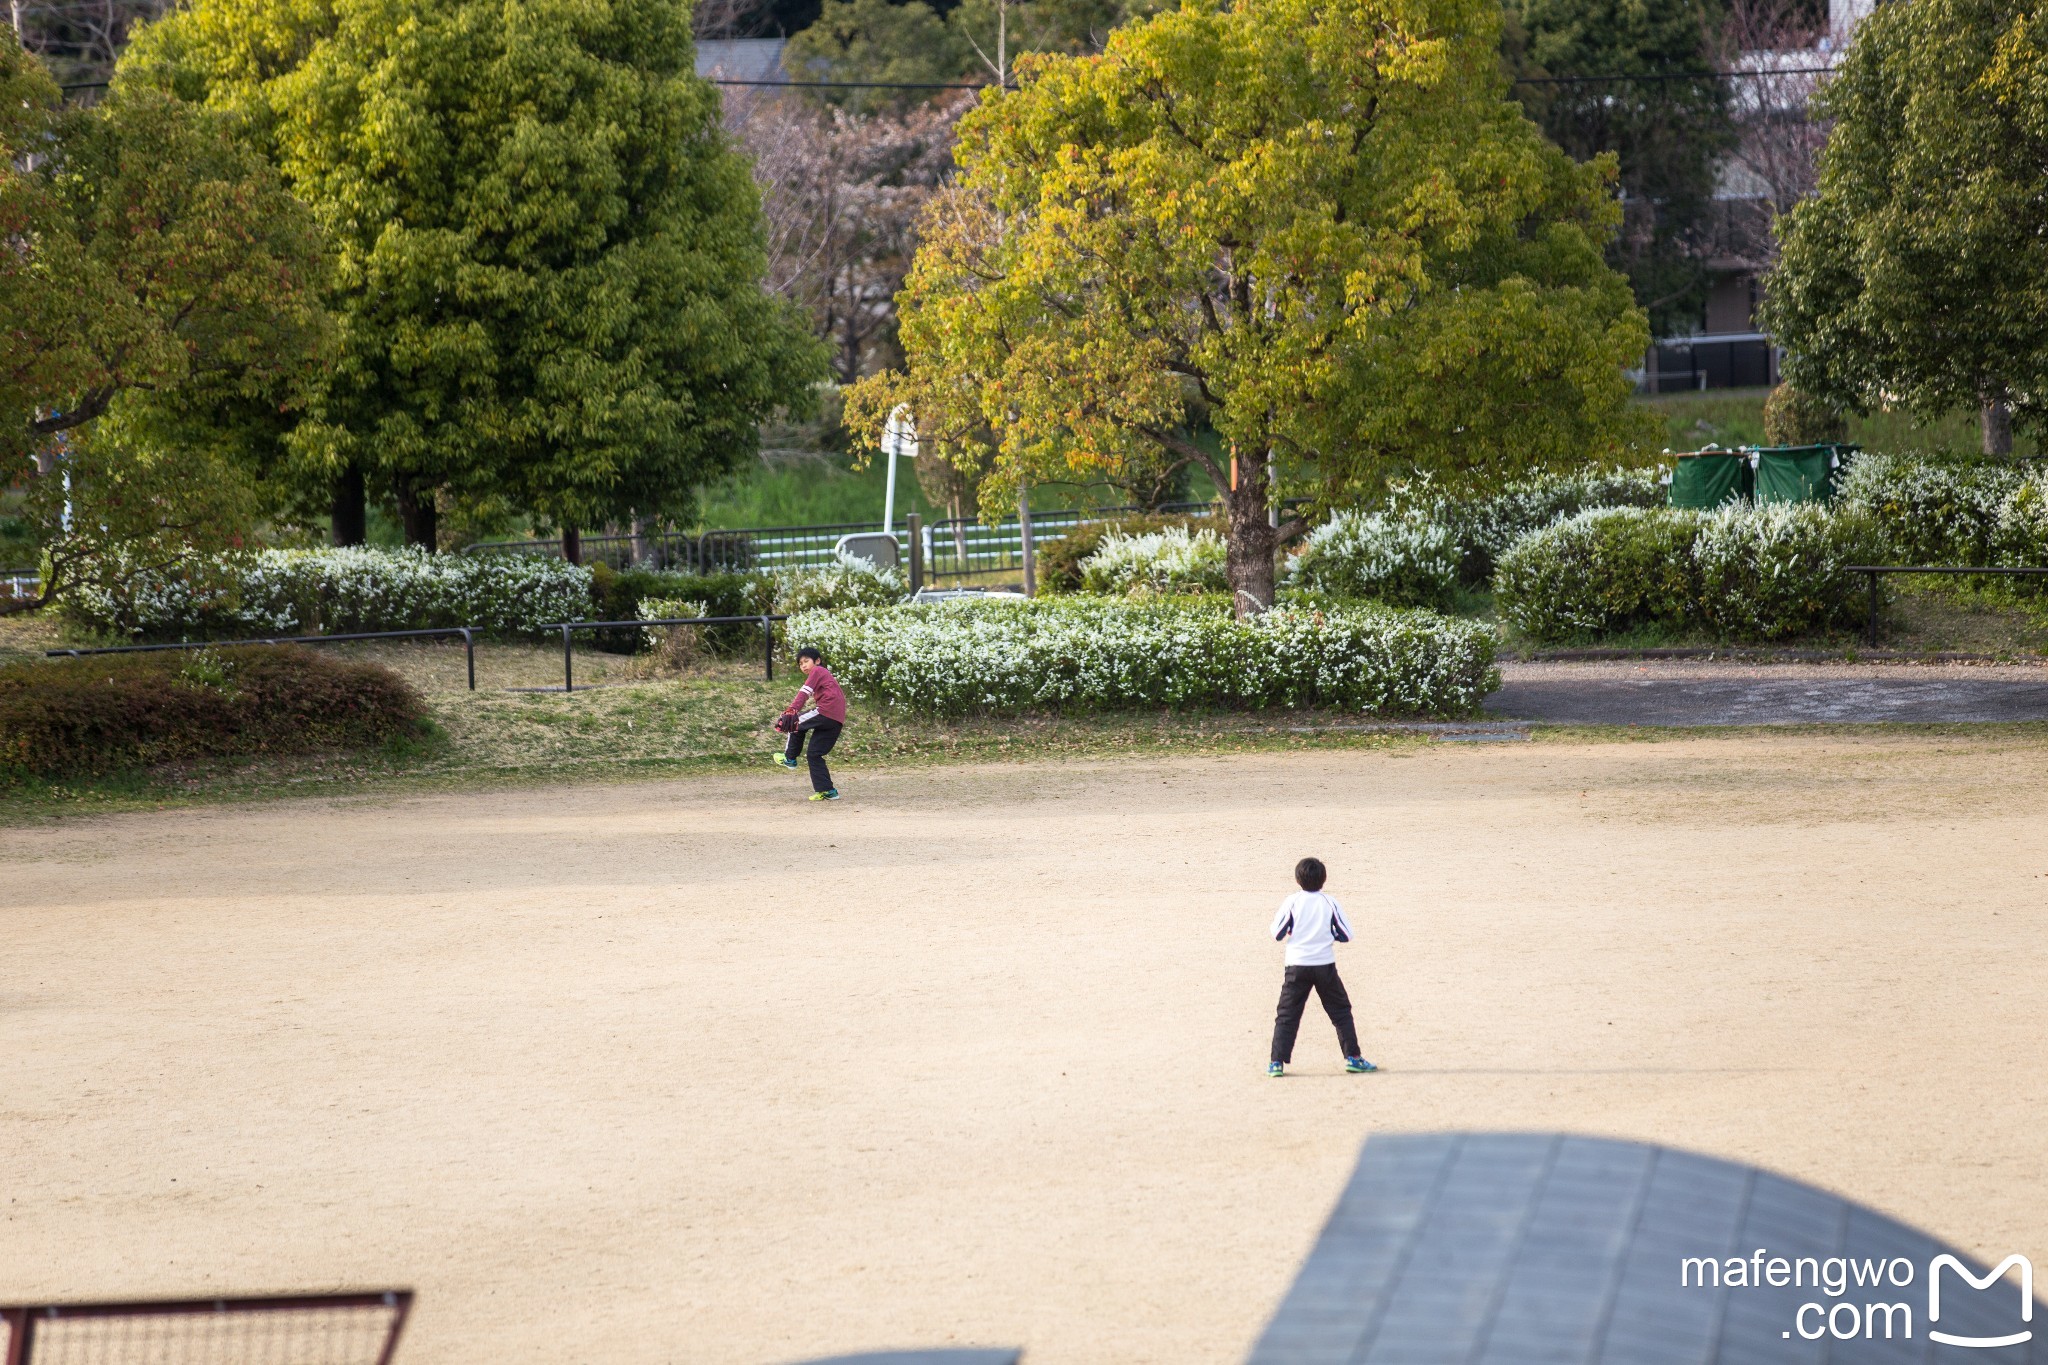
(693, 1071)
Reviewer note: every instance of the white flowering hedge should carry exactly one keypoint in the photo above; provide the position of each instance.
(1484, 525)
(1964, 510)
(849, 583)
(1740, 572)
(1174, 560)
(1091, 653)
(1400, 560)
(339, 591)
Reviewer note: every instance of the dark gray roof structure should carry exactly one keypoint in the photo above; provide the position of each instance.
(1547, 1249)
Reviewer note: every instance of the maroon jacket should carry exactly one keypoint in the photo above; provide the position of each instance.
(819, 696)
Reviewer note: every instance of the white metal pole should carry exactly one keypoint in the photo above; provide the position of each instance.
(891, 442)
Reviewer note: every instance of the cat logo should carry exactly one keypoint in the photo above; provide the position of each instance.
(1991, 1277)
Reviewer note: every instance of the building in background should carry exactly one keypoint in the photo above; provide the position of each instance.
(1773, 166)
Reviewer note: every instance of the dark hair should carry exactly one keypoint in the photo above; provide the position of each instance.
(1309, 874)
(810, 652)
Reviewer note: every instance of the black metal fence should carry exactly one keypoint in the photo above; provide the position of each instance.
(468, 634)
(1875, 571)
(568, 629)
(962, 547)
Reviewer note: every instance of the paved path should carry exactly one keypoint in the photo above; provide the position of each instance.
(1701, 693)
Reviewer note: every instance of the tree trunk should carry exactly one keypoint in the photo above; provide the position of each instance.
(351, 513)
(1252, 539)
(572, 545)
(421, 518)
(1996, 420)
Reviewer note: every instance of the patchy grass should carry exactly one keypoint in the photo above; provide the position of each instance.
(1733, 417)
(1962, 615)
(660, 728)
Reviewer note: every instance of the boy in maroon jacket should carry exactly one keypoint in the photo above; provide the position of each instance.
(819, 711)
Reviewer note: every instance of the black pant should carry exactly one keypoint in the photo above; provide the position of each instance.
(1323, 980)
(824, 734)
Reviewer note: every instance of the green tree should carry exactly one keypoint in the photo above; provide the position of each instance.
(1669, 135)
(548, 284)
(157, 282)
(1917, 276)
(1359, 257)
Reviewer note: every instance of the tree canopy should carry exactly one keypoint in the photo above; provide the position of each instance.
(153, 262)
(548, 257)
(1918, 275)
(1322, 223)
(160, 292)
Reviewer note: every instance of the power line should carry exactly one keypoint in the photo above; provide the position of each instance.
(1627, 77)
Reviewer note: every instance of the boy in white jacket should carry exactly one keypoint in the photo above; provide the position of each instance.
(1312, 925)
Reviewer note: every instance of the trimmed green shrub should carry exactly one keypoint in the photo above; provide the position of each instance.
(1173, 560)
(1092, 653)
(1059, 561)
(337, 592)
(1740, 572)
(1776, 571)
(1795, 418)
(2020, 537)
(108, 713)
(618, 595)
(1484, 525)
(1930, 508)
(1599, 572)
(1393, 559)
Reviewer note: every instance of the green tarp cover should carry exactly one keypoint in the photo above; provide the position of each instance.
(1795, 473)
(1710, 479)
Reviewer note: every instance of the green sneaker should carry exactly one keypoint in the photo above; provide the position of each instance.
(779, 761)
(832, 795)
(1274, 1071)
(1358, 1066)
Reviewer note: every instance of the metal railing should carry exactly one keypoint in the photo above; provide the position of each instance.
(468, 634)
(1875, 571)
(568, 628)
(20, 583)
(955, 547)
(754, 547)
(963, 547)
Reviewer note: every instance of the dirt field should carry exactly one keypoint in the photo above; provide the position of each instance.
(693, 1071)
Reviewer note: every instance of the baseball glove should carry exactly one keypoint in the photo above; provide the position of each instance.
(785, 724)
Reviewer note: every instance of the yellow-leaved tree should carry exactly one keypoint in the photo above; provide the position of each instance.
(1321, 223)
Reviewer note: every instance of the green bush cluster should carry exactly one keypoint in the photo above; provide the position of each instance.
(1402, 561)
(1740, 572)
(1094, 653)
(1059, 561)
(109, 713)
(1484, 525)
(616, 595)
(333, 592)
(1173, 561)
(1963, 510)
